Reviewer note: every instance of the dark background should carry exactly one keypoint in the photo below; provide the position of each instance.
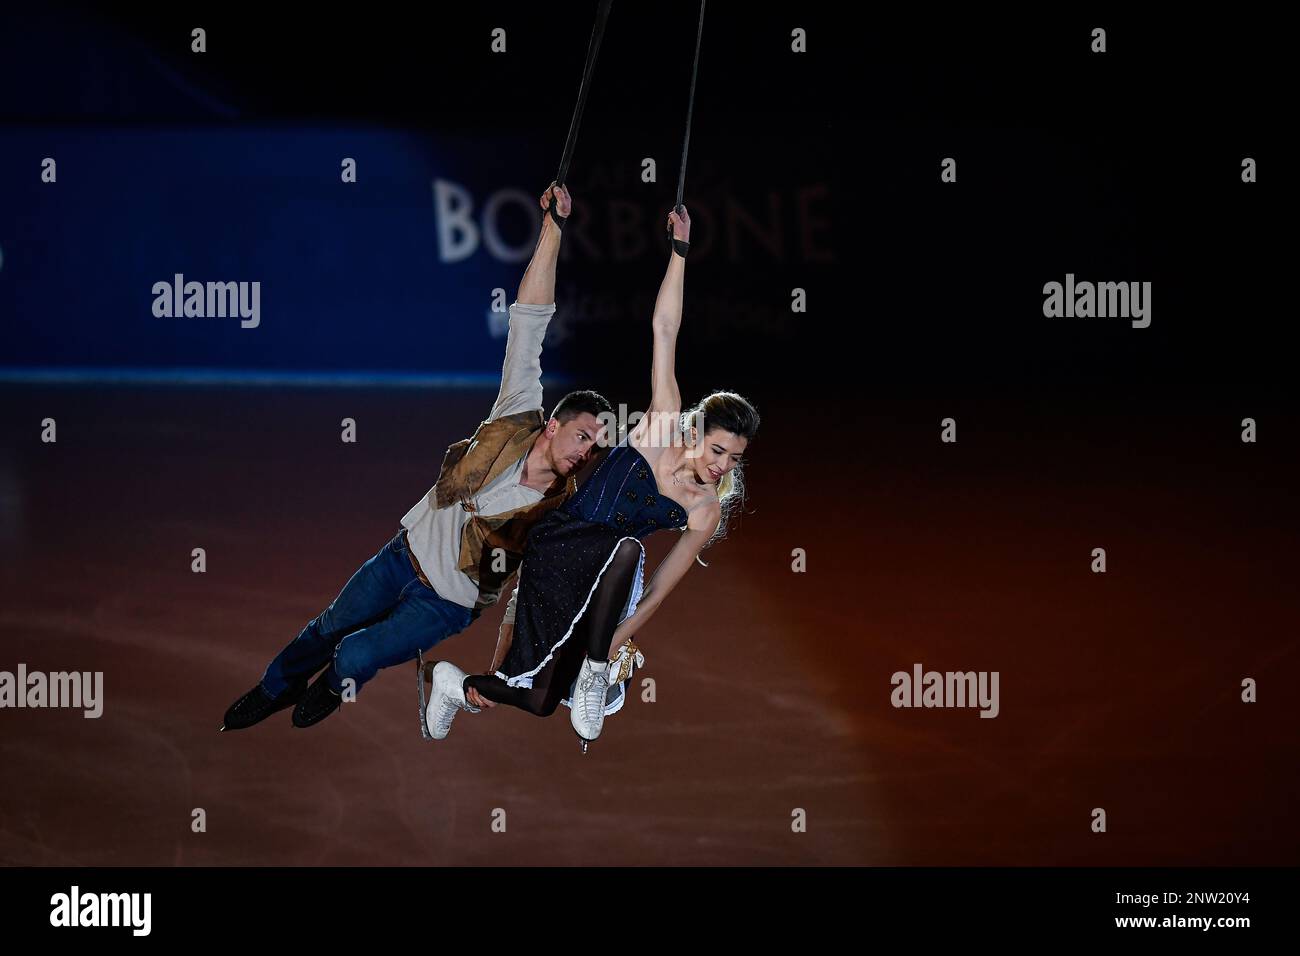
(1122, 166)
(925, 301)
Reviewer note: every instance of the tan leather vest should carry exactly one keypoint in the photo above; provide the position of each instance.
(468, 466)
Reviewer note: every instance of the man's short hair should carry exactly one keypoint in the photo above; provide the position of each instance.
(575, 403)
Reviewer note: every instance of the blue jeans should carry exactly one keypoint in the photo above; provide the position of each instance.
(382, 617)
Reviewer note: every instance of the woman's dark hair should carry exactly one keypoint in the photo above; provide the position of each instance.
(726, 410)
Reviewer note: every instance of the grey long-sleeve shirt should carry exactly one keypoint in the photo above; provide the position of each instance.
(434, 533)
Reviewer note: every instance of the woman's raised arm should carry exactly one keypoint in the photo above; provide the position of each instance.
(665, 398)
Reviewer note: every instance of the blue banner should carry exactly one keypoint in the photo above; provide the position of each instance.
(249, 250)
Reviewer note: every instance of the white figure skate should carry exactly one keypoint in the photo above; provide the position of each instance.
(446, 698)
(588, 711)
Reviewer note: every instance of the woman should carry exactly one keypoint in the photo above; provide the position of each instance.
(580, 593)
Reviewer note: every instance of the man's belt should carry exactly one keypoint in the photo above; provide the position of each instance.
(419, 572)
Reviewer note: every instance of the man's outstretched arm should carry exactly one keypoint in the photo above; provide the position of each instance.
(521, 376)
(537, 287)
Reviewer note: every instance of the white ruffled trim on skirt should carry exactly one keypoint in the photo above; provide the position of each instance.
(611, 707)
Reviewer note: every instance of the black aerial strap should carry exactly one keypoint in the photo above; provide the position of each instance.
(593, 48)
(686, 142)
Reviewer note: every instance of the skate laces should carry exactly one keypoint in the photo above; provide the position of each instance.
(592, 686)
(447, 710)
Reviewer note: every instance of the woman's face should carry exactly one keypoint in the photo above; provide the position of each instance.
(717, 453)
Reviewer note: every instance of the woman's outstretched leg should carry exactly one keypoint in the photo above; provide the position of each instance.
(591, 680)
(596, 628)
(547, 690)
(591, 638)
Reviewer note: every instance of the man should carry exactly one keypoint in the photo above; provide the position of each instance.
(463, 541)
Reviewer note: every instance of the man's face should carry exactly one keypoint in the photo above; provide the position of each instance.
(572, 442)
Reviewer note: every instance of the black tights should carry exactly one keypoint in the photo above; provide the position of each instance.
(592, 635)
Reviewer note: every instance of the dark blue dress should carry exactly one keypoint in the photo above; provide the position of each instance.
(568, 551)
